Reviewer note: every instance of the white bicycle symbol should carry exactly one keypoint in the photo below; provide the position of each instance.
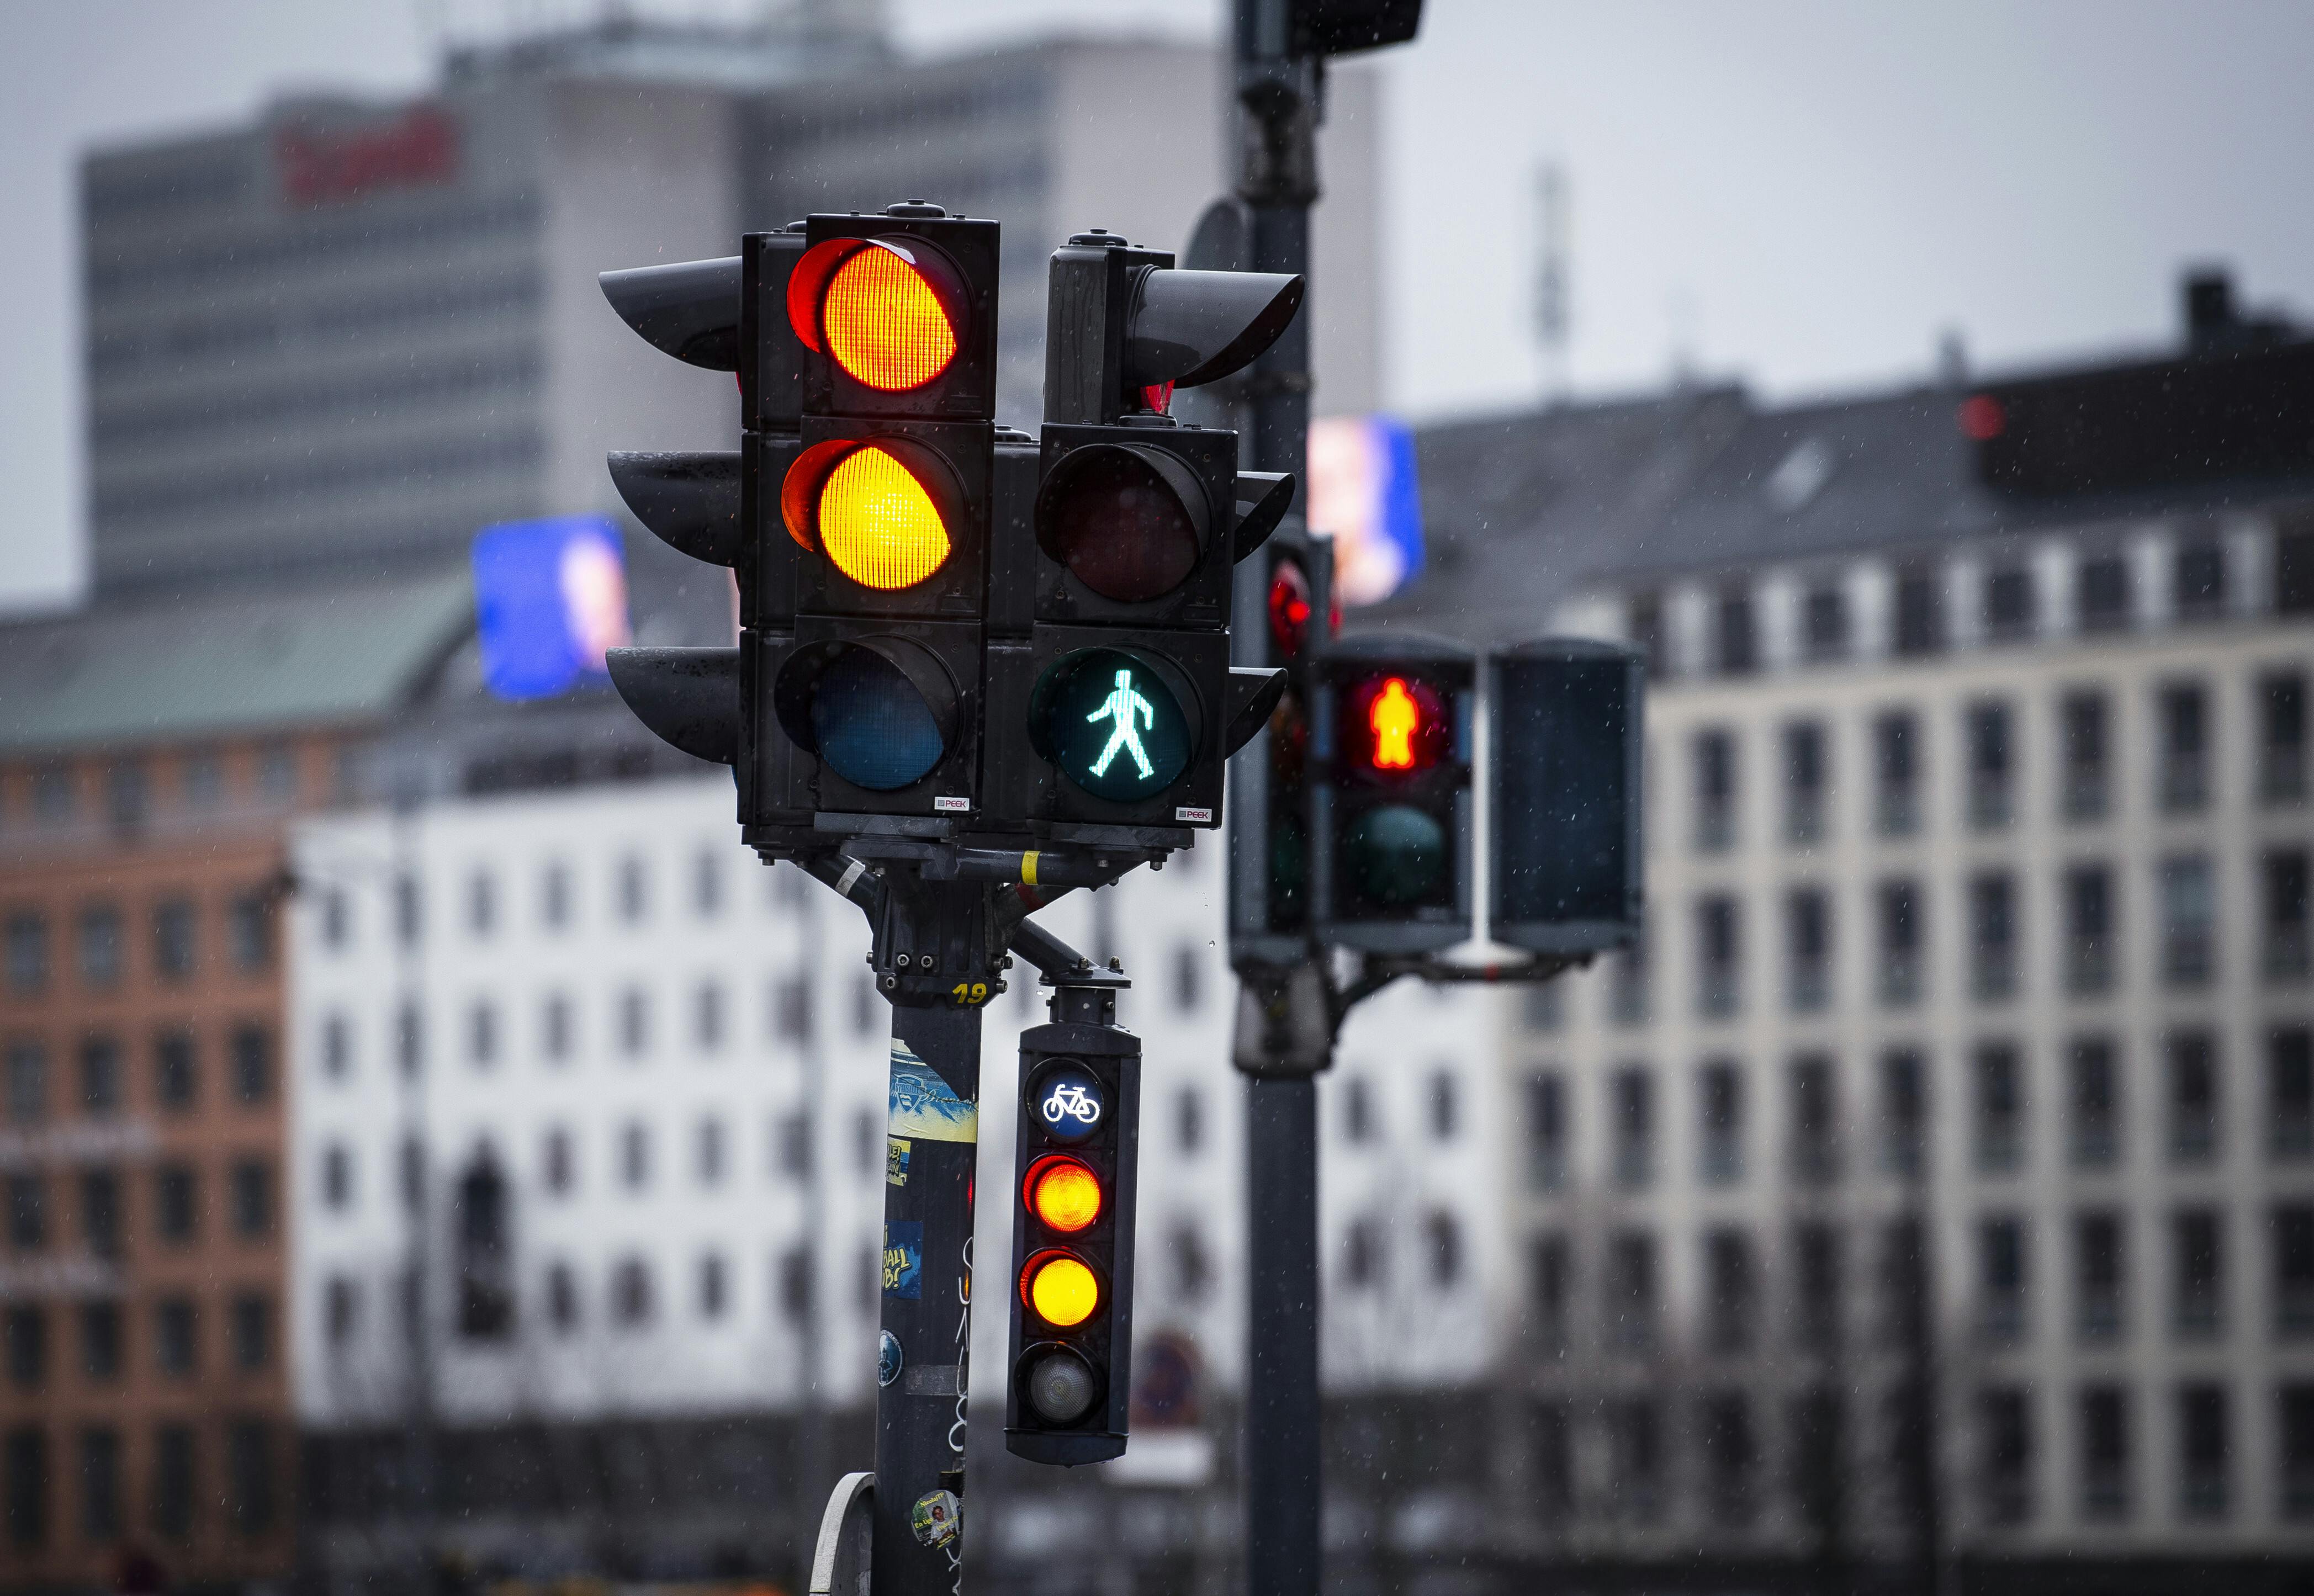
(1069, 1101)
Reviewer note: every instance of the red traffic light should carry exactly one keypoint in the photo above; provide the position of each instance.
(1395, 725)
(1063, 1192)
(1289, 609)
(888, 311)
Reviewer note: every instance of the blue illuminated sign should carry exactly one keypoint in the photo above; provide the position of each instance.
(550, 600)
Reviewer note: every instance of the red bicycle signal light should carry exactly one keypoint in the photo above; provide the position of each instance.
(888, 312)
(1062, 1193)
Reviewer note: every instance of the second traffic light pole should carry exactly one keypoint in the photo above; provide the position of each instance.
(1278, 103)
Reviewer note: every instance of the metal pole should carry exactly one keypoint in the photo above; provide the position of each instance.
(933, 1134)
(1278, 109)
(812, 1354)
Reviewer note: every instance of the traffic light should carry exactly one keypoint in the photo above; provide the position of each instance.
(1073, 1209)
(1392, 736)
(1269, 880)
(1565, 866)
(1136, 523)
(873, 700)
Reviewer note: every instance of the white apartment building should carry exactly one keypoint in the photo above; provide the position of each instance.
(1977, 863)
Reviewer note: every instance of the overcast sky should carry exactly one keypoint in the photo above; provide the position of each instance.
(1805, 194)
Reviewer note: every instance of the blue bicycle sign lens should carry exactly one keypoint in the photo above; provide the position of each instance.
(1066, 1102)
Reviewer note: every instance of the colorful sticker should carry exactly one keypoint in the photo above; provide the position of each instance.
(904, 1258)
(936, 1517)
(922, 1106)
(889, 1359)
(897, 1149)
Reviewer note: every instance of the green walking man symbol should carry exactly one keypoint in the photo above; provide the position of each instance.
(1120, 709)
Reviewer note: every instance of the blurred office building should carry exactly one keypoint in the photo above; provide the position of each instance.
(1934, 1189)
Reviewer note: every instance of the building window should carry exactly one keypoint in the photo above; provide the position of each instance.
(410, 1037)
(1738, 639)
(336, 918)
(100, 1484)
(792, 1137)
(634, 1156)
(707, 1016)
(100, 1213)
(2000, 1107)
(28, 1211)
(2289, 1094)
(253, 1332)
(635, 1021)
(2296, 1403)
(1902, 977)
(1442, 1105)
(2188, 921)
(791, 1014)
(1715, 790)
(1546, 1131)
(2293, 1271)
(176, 1206)
(2282, 737)
(2004, 1416)
(1816, 1285)
(249, 930)
(2098, 1277)
(631, 1293)
(1542, 1006)
(2106, 599)
(1444, 1237)
(1895, 766)
(1815, 1120)
(26, 1465)
(1627, 983)
(2185, 729)
(173, 951)
(562, 1298)
(2001, 1278)
(2088, 759)
(1729, 1289)
(2198, 1276)
(1807, 921)
(176, 1070)
(2096, 1096)
(1189, 971)
(1720, 1100)
(1188, 1120)
(2090, 928)
(1550, 1455)
(28, 1082)
(27, 1332)
(1362, 1256)
(176, 1346)
(1920, 613)
(708, 1151)
(100, 946)
(1635, 1458)
(1731, 1457)
(1991, 766)
(1903, 1110)
(337, 1176)
(1631, 1290)
(1807, 781)
(249, 1469)
(1992, 936)
(556, 1030)
(706, 884)
(634, 890)
(252, 1063)
(1193, 1269)
(1549, 1292)
(2200, 574)
(101, 1339)
(127, 796)
(100, 1077)
(554, 896)
(2204, 1445)
(253, 1198)
(711, 1287)
(557, 1163)
(340, 1312)
(336, 1046)
(1824, 623)
(2287, 949)
(1643, 625)
(2192, 1070)
(2009, 604)
(28, 953)
(1632, 1093)
(1719, 957)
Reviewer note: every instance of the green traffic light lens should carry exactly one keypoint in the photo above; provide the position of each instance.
(1396, 855)
(1112, 724)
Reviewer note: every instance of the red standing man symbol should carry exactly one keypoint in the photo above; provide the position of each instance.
(1394, 717)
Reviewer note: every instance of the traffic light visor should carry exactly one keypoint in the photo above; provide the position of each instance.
(1061, 1289)
(879, 511)
(881, 713)
(886, 310)
(1131, 524)
(1117, 724)
(1062, 1193)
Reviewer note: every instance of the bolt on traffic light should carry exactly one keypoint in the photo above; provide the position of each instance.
(1391, 730)
(1137, 523)
(1077, 1142)
(1565, 718)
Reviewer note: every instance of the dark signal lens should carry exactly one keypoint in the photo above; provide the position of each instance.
(1129, 523)
(1060, 1384)
(871, 725)
(1396, 855)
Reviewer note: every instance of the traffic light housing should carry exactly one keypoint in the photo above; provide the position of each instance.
(1565, 718)
(1136, 524)
(1390, 731)
(1270, 847)
(1076, 1145)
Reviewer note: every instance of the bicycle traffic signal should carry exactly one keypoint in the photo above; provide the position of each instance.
(1391, 727)
(1563, 783)
(1071, 1352)
(1137, 521)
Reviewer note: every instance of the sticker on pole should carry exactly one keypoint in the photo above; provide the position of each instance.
(904, 1259)
(922, 1107)
(897, 1149)
(937, 1518)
